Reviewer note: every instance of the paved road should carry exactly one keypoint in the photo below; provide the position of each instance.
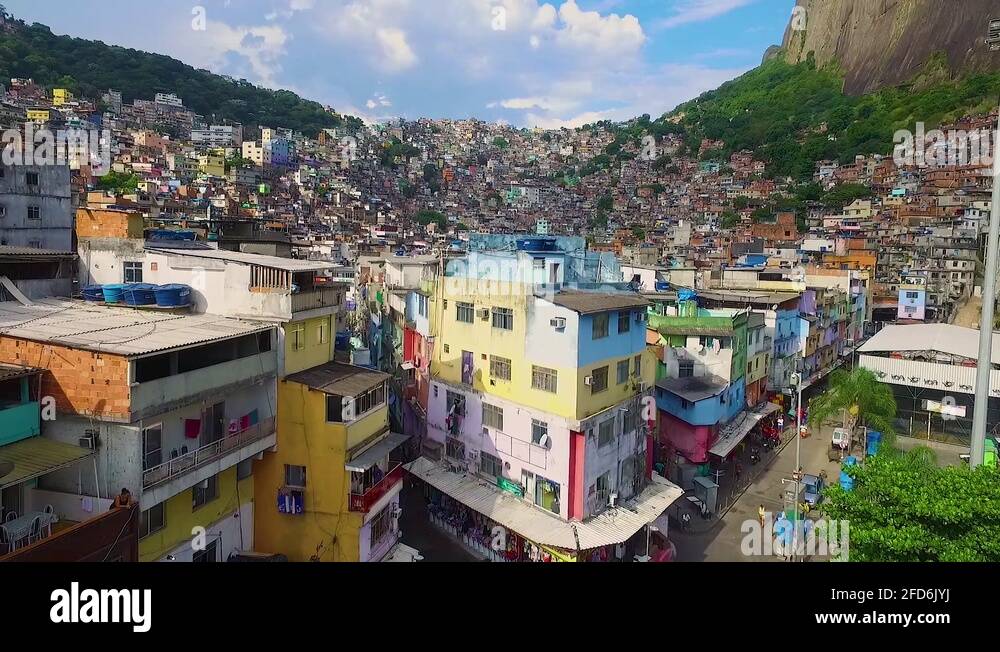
(722, 542)
(420, 533)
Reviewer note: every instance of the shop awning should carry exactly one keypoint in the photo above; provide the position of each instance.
(614, 525)
(733, 433)
(367, 458)
(37, 456)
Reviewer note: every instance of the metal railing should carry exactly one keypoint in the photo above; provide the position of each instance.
(188, 462)
(362, 502)
(317, 298)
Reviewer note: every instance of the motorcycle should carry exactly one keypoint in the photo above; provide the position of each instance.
(754, 456)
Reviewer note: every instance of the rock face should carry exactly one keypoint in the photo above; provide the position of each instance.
(884, 42)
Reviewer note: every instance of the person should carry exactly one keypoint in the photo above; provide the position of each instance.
(685, 520)
(124, 499)
(761, 515)
(739, 470)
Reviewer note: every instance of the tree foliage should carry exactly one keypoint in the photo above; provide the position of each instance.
(868, 401)
(903, 507)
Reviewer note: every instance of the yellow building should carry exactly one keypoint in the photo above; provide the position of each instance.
(223, 497)
(61, 96)
(40, 116)
(331, 490)
(309, 342)
(212, 164)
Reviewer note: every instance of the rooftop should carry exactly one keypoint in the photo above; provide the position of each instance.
(12, 371)
(8, 250)
(587, 303)
(694, 388)
(339, 378)
(119, 331)
(287, 264)
(946, 338)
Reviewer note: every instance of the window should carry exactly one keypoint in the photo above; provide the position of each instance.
(911, 295)
(605, 433)
(334, 409)
(603, 489)
(632, 419)
(454, 448)
(685, 369)
(499, 367)
(637, 365)
(492, 416)
(381, 526)
(34, 213)
(298, 336)
(623, 321)
(465, 312)
(909, 309)
(31, 178)
(456, 401)
(623, 371)
(35, 244)
(421, 305)
(133, 271)
(244, 469)
(205, 492)
(3, 211)
(490, 465)
(323, 333)
(152, 520)
(544, 379)
(503, 318)
(599, 383)
(152, 453)
(547, 494)
(295, 476)
(370, 400)
(208, 555)
(538, 263)
(600, 326)
(539, 429)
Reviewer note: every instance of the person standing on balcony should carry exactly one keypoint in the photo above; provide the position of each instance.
(124, 499)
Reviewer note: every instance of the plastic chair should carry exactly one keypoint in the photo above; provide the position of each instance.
(35, 532)
(11, 515)
(49, 509)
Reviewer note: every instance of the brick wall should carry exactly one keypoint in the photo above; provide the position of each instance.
(99, 223)
(81, 382)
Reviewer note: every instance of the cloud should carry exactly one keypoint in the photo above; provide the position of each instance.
(253, 52)
(395, 50)
(599, 34)
(694, 11)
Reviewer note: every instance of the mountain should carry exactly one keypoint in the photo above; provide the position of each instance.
(89, 68)
(879, 43)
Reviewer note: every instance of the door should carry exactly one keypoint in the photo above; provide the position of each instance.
(152, 447)
(554, 274)
(10, 501)
(215, 424)
(467, 368)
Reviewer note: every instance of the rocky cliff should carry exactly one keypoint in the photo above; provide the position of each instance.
(885, 42)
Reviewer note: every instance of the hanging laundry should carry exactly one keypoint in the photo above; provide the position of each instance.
(192, 428)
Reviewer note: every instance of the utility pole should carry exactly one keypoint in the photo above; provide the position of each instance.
(984, 366)
(797, 475)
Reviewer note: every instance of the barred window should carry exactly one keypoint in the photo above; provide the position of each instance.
(632, 420)
(600, 326)
(490, 465)
(492, 416)
(465, 312)
(456, 400)
(370, 400)
(499, 367)
(454, 448)
(600, 380)
(623, 371)
(605, 433)
(638, 366)
(538, 430)
(503, 318)
(544, 379)
(623, 321)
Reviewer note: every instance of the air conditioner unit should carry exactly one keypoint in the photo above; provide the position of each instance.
(484, 314)
(611, 499)
(588, 380)
(558, 322)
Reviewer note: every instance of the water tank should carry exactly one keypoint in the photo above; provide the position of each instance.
(173, 295)
(139, 294)
(536, 244)
(93, 293)
(662, 286)
(113, 292)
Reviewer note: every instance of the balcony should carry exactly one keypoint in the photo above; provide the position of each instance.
(189, 462)
(19, 422)
(363, 502)
(315, 299)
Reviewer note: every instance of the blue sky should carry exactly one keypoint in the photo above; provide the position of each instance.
(527, 62)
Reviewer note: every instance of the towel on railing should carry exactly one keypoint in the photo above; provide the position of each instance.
(192, 428)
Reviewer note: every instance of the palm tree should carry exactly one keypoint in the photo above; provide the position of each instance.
(868, 401)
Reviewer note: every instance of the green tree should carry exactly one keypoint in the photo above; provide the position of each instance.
(500, 143)
(118, 182)
(904, 507)
(729, 219)
(867, 400)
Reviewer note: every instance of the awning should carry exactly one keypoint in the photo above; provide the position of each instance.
(612, 526)
(367, 458)
(402, 553)
(733, 433)
(36, 456)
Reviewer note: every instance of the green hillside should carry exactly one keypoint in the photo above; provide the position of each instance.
(89, 68)
(777, 109)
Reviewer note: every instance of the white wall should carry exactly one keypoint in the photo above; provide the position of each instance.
(230, 527)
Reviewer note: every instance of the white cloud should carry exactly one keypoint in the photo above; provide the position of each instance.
(395, 50)
(253, 52)
(599, 34)
(694, 11)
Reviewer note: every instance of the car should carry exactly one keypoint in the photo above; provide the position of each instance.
(813, 485)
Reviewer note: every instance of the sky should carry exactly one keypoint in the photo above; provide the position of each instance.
(524, 62)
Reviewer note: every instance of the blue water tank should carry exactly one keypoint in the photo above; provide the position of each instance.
(93, 293)
(139, 294)
(874, 441)
(173, 295)
(536, 244)
(113, 292)
(662, 286)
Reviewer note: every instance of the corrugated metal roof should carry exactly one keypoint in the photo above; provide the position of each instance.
(734, 432)
(10, 250)
(10, 371)
(36, 456)
(946, 338)
(592, 302)
(275, 262)
(694, 388)
(121, 331)
(339, 378)
(612, 526)
(367, 458)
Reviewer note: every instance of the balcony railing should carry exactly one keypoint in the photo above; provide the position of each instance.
(362, 502)
(187, 462)
(317, 298)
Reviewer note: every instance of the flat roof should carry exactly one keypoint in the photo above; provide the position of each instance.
(119, 331)
(339, 378)
(9, 250)
(694, 388)
(275, 262)
(946, 338)
(35, 456)
(753, 296)
(12, 371)
(594, 302)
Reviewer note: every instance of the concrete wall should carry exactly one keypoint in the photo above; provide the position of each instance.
(54, 228)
